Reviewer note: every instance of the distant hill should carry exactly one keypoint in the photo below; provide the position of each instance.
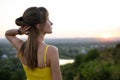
(4, 41)
(74, 40)
(82, 40)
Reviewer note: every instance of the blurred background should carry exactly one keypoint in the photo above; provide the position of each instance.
(87, 33)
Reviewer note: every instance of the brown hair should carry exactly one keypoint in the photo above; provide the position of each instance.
(31, 17)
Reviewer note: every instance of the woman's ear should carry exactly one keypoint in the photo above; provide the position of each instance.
(38, 26)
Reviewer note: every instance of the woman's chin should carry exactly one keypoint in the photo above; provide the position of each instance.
(49, 32)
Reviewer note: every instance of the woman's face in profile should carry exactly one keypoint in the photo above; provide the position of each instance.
(47, 27)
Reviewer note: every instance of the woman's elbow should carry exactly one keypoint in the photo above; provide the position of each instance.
(6, 34)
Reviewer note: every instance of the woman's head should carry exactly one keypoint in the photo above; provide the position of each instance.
(38, 20)
(34, 16)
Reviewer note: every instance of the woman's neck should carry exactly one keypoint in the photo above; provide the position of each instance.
(41, 38)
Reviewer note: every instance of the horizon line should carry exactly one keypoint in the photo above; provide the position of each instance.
(76, 38)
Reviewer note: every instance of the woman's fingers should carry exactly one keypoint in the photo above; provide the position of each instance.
(27, 32)
(26, 28)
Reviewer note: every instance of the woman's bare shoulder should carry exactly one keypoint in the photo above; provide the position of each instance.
(53, 49)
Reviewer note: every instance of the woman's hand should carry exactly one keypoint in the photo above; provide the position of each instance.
(24, 30)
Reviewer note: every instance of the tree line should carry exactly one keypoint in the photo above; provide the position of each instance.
(95, 65)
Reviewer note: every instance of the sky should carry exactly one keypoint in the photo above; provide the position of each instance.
(71, 18)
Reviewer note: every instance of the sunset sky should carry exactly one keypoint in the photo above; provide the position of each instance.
(71, 18)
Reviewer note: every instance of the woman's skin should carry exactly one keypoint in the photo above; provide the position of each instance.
(52, 54)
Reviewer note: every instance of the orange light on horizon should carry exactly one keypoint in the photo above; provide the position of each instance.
(106, 35)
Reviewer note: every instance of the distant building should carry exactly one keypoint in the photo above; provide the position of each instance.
(4, 56)
(84, 51)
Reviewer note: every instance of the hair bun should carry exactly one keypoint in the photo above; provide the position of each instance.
(19, 21)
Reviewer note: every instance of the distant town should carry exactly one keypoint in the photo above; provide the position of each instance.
(68, 47)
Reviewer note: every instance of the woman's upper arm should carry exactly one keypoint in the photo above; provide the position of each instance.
(54, 62)
(17, 43)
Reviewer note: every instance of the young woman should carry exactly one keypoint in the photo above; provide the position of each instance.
(40, 61)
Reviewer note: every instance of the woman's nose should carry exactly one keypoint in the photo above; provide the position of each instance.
(51, 23)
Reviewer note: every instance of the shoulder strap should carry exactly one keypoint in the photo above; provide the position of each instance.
(45, 53)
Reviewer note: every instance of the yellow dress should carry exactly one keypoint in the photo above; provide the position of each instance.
(38, 73)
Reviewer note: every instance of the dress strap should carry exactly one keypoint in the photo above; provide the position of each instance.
(45, 53)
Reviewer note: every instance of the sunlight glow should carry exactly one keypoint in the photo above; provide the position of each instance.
(106, 35)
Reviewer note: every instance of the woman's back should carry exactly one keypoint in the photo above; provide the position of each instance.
(41, 57)
(39, 73)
